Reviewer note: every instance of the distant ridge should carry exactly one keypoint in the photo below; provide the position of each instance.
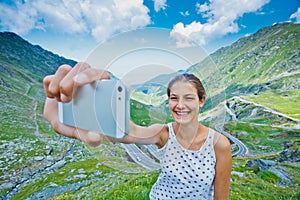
(268, 59)
(19, 53)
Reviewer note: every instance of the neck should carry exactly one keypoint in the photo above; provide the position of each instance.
(187, 132)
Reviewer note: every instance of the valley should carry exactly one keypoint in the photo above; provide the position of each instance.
(254, 96)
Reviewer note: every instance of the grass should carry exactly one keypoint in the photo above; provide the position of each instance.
(262, 184)
(61, 177)
(104, 182)
(20, 143)
(145, 115)
(136, 187)
(268, 176)
(152, 99)
(114, 156)
(286, 102)
(17, 128)
(260, 139)
(115, 184)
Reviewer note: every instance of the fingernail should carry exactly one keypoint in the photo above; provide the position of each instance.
(64, 98)
(80, 78)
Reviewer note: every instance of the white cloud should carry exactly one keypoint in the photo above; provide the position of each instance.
(296, 16)
(98, 18)
(18, 18)
(202, 8)
(160, 5)
(60, 15)
(184, 14)
(221, 17)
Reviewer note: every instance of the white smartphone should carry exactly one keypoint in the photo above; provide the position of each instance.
(103, 106)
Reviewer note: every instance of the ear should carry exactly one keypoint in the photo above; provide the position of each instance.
(202, 101)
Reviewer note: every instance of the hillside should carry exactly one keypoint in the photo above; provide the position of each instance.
(23, 65)
(26, 141)
(32, 58)
(255, 82)
(256, 87)
(268, 59)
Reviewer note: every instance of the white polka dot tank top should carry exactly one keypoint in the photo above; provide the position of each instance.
(185, 174)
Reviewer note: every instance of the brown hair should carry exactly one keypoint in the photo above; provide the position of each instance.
(191, 79)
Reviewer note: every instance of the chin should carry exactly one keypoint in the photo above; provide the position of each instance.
(182, 120)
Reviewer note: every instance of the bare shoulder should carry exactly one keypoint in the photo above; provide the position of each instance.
(158, 127)
(221, 142)
(154, 129)
(163, 132)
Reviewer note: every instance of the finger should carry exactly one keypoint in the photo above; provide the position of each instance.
(67, 84)
(54, 86)
(90, 75)
(46, 82)
(51, 110)
(91, 138)
(51, 115)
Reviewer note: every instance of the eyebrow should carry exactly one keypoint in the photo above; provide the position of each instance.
(189, 94)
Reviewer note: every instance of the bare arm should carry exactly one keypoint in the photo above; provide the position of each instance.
(59, 88)
(141, 135)
(223, 168)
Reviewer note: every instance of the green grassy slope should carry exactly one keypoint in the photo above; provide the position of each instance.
(262, 68)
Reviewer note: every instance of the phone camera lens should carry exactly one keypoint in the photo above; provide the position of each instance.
(120, 89)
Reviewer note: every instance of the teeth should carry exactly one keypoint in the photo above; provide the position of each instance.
(182, 113)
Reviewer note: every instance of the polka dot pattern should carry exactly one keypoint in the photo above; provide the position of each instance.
(185, 174)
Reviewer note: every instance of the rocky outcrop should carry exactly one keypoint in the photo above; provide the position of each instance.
(270, 165)
(291, 152)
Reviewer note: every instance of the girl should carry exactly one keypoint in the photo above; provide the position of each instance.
(195, 160)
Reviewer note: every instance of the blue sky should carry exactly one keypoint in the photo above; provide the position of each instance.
(74, 28)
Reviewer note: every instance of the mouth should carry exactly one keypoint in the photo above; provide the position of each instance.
(182, 113)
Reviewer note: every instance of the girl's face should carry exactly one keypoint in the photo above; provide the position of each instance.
(184, 102)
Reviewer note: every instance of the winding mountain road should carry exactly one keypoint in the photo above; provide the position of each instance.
(268, 109)
(141, 158)
(138, 156)
(243, 150)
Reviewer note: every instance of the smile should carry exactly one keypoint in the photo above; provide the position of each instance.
(182, 113)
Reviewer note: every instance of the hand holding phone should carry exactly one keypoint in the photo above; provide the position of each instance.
(102, 106)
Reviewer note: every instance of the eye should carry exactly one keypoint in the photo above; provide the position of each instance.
(189, 98)
(173, 98)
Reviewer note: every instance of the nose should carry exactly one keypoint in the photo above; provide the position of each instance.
(180, 103)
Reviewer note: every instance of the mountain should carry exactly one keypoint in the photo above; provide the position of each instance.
(268, 59)
(21, 61)
(33, 58)
(255, 80)
(27, 142)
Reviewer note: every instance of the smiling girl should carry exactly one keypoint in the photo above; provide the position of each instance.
(195, 160)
